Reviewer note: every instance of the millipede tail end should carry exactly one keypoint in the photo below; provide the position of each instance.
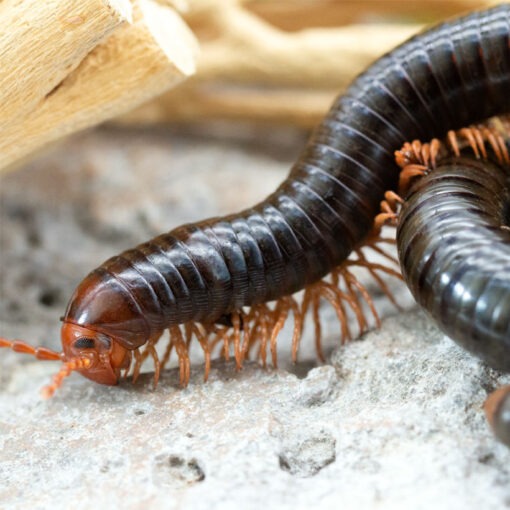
(497, 410)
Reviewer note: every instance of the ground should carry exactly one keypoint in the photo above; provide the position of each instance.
(391, 420)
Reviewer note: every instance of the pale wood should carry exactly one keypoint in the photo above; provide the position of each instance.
(298, 14)
(303, 108)
(251, 51)
(136, 62)
(261, 61)
(41, 42)
(258, 62)
(291, 15)
(297, 74)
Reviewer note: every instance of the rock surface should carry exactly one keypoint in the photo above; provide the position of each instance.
(392, 421)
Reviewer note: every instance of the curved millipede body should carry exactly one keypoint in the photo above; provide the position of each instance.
(444, 78)
(453, 240)
(454, 250)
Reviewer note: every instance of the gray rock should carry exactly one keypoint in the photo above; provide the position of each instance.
(392, 420)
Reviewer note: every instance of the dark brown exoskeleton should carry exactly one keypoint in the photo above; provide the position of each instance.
(453, 239)
(447, 77)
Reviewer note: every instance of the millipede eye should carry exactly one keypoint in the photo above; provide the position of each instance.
(84, 343)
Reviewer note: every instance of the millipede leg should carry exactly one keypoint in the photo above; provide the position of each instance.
(298, 329)
(281, 314)
(202, 339)
(236, 322)
(182, 354)
(157, 364)
(138, 364)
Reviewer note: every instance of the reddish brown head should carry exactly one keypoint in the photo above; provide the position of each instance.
(93, 354)
(105, 356)
(102, 325)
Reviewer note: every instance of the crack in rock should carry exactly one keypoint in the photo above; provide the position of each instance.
(176, 471)
(306, 457)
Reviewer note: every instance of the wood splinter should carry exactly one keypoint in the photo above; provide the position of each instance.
(43, 42)
(135, 63)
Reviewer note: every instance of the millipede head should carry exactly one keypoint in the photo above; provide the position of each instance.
(94, 355)
(107, 357)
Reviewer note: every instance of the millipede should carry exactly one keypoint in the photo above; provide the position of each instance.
(212, 280)
(453, 240)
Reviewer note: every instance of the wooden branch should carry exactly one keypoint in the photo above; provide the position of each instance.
(330, 13)
(298, 14)
(303, 108)
(41, 42)
(261, 60)
(251, 51)
(297, 75)
(135, 63)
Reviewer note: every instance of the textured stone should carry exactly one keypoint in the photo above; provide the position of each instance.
(393, 420)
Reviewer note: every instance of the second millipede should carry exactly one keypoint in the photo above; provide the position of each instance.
(449, 76)
(453, 239)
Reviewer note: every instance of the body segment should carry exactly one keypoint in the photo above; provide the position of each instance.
(449, 76)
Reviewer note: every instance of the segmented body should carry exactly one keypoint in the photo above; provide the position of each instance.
(453, 240)
(454, 250)
(447, 77)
